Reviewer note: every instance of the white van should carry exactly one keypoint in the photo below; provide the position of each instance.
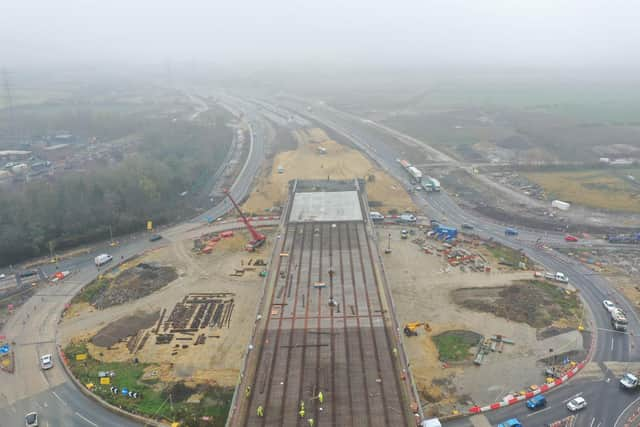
(102, 259)
(407, 217)
(376, 216)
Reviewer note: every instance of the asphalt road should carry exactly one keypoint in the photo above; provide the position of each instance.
(605, 398)
(33, 327)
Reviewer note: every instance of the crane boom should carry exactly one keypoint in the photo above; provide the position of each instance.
(257, 238)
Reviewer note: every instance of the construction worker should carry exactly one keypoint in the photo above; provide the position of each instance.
(260, 411)
(320, 397)
(311, 422)
(302, 405)
(395, 352)
(301, 412)
(248, 391)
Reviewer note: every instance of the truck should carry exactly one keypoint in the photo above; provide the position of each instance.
(102, 259)
(629, 381)
(560, 205)
(430, 184)
(624, 238)
(619, 320)
(415, 173)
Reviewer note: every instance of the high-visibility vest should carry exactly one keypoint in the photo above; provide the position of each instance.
(320, 397)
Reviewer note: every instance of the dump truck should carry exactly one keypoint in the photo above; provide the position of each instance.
(619, 320)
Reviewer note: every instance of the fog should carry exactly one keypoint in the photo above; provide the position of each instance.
(281, 34)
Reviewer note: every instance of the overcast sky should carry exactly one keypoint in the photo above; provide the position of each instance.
(272, 32)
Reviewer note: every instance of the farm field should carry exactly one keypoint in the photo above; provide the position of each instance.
(603, 188)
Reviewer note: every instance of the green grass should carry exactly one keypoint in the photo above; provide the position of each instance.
(90, 292)
(507, 256)
(569, 303)
(155, 401)
(452, 347)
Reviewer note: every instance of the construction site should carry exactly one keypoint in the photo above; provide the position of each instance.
(325, 350)
(477, 326)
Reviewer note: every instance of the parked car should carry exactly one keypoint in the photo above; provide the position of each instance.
(46, 362)
(155, 238)
(537, 402)
(376, 216)
(608, 305)
(31, 419)
(466, 226)
(570, 238)
(407, 217)
(576, 404)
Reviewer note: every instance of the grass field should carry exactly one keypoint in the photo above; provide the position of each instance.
(612, 189)
(169, 401)
(453, 346)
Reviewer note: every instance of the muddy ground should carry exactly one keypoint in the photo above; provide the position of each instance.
(218, 359)
(423, 288)
(339, 162)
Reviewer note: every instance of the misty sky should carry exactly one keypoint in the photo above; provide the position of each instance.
(271, 32)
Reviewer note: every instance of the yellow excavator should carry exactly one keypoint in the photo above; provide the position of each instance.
(411, 328)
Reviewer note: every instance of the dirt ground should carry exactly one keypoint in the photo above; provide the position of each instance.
(422, 286)
(339, 162)
(219, 358)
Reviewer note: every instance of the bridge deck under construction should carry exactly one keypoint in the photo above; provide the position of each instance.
(326, 330)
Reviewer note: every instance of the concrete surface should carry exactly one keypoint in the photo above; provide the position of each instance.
(326, 207)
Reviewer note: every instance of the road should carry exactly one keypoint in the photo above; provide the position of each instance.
(34, 325)
(609, 345)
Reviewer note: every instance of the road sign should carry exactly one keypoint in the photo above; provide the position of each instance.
(82, 356)
(105, 380)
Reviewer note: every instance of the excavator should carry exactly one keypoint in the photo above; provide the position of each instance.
(411, 328)
(258, 238)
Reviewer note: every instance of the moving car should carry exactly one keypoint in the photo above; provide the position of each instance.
(513, 422)
(608, 305)
(31, 419)
(510, 232)
(570, 238)
(155, 238)
(629, 381)
(576, 404)
(46, 362)
(537, 402)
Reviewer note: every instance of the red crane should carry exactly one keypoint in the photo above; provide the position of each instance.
(257, 238)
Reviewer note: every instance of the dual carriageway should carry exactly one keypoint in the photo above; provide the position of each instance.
(606, 402)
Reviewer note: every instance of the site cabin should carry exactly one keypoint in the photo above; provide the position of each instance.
(102, 259)
(433, 422)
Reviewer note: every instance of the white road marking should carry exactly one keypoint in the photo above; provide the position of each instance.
(87, 420)
(611, 343)
(539, 412)
(59, 398)
(592, 421)
(572, 397)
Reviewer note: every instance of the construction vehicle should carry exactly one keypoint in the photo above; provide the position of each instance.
(257, 238)
(411, 328)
